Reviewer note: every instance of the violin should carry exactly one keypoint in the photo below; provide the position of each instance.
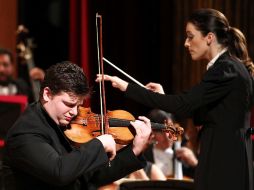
(87, 125)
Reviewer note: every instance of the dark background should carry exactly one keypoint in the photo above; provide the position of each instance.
(48, 24)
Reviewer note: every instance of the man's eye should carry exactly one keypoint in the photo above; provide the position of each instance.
(70, 105)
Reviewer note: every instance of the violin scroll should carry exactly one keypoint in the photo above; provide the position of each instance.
(175, 129)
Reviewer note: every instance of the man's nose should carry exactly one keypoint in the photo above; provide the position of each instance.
(74, 110)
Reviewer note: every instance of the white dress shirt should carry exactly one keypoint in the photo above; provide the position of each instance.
(164, 160)
(215, 58)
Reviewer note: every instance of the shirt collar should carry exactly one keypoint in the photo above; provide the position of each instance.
(210, 64)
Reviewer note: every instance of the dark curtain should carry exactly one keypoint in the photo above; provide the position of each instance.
(48, 25)
(79, 40)
(79, 36)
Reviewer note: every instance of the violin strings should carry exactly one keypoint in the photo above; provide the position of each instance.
(123, 122)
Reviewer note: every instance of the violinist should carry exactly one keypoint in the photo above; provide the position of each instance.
(41, 156)
(221, 102)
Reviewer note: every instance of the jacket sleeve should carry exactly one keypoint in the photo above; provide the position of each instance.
(32, 154)
(216, 84)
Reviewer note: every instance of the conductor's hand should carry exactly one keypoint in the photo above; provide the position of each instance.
(143, 132)
(109, 145)
(116, 81)
(155, 87)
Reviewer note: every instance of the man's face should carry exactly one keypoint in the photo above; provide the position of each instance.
(6, 67)
(62, 107)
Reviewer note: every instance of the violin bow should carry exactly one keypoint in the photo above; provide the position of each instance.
(104, 122)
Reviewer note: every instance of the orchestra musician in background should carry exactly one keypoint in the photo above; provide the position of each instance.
(162, 152)
(189, 160)
(8, 84)
(151, 171)
(221, 102)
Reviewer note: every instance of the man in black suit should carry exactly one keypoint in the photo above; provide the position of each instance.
(42, 157)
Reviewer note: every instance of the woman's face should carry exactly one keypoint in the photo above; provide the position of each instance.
(196, 43)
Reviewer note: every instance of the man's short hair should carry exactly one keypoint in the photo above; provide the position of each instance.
(65, 77)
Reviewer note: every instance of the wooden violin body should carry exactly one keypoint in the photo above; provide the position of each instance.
(87, 125)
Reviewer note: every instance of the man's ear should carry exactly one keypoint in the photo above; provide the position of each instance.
(47, 94)
(210, 38)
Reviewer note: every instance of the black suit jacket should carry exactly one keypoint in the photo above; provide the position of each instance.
(221, 103)
(42, 158)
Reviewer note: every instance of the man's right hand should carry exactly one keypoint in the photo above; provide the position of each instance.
(109, 145)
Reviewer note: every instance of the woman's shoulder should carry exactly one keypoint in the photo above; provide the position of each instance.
(225, 65)
(230, 63)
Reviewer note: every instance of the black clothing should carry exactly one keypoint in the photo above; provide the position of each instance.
(42, 158)
(24, 89)
(9, 112)
(221, 104)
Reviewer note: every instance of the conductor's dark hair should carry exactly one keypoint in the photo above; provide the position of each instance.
(211, 20)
